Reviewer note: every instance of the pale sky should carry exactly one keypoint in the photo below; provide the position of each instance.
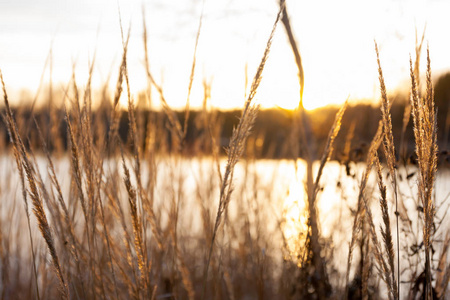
(336, 41)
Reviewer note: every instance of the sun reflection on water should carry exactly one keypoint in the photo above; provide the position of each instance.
(295, 219)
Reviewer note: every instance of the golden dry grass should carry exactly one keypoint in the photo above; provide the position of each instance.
(126, 222)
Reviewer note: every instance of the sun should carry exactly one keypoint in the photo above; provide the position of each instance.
(289, 98)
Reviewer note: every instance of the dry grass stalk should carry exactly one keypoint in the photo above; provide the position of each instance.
(425, 134)
(13, 135)
(175, 125)
(147, 194)
(77, 175)
(407, 112)
(115, 116)
(304, 130)
(185, 274)
(303, 127)
(237, 145)
(418, 51)
(386, 231)
(348, 141)
(443, 273)
(366, 271)
(389, 151)
(387, 122)
(137, 231)
(147, 205)
(4, 266)
(108, 242)
(360, 211)
(76, 100)
(116, 209)
(38, 208)
(90, 168)
(382, 265)
(293, 43)
(191, 78)
(405, 122)
(329, 147)
(229, 284)
(76, 169)
(322, 285)
(68, 223)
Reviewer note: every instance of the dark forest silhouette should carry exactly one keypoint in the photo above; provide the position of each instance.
(272, 130)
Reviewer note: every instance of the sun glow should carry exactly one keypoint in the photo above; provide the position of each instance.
(295, 216)
(338, 60)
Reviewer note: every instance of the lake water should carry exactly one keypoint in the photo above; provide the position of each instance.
(269, 194)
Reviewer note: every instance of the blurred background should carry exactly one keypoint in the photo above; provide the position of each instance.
(45, 41)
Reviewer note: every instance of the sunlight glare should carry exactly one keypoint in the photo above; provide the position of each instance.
(295, 217)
